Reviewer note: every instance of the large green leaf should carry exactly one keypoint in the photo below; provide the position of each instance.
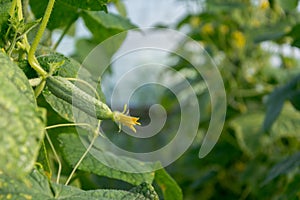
(104, 25)
(21, 122)
(168, 185)
(249, 133)
(71, 193)
(64, 12)
(37, 186)
(4, 8)
(87, 5)
(276, 100)
(73, 149)
(61, 15)
(288, 5)
(295, 99)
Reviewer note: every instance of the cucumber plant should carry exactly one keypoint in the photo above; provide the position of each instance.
(37, 95)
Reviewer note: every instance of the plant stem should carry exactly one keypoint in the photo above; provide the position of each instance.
(31, 57)
(39, 88)
(56, 156)
(20, 12)
(25, 6)
(12, 8)
(64, 33)
(12, 46)
(65, 125)
(84, 154)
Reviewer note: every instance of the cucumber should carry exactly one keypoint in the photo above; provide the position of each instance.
(64, 89)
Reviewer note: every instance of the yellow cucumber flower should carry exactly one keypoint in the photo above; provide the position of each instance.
(123, 118)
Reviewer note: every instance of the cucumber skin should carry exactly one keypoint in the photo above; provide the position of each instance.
(64, 89)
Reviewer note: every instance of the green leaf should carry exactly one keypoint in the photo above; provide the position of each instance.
(4, 15)
(65, 12)
(283, 167)
(104, 25)
(71, 193)
(276, 100)
(288, 5)
(73, 149)
(168, 185)
(23, 28)
(120, 6)
(37, 186)
(249, 133)
(21, 122)
(87, 5)
(294, 33)
(91, 53)
(287, 124)
(269, 34)
(83, 48)
(295, 99)
(44, 160)
(61, 15)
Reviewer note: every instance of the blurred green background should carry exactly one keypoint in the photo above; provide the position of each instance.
(255, 46)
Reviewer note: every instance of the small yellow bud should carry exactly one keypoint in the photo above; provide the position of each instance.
(264, 4)
(238, 39)
(195, 21)
(208, 29)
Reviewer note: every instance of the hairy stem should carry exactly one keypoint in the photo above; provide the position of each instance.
(31, 57)
(52, 146)
(57, 158)
(84, 154)
(13, 7)
(64, 33)
(70, 124)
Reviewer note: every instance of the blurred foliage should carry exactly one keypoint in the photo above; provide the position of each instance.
(254, 158)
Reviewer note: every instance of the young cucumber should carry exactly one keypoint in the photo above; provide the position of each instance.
(64, 89)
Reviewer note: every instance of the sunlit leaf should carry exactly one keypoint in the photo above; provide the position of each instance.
(21, 122)
(73, 149)
(168, 185)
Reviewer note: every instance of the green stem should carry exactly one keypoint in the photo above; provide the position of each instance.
(39, 88)
(64, 33)
(84, 154)
(16, 4)
(12, 46)
(21, 17)
(20, 12)
(31, 57)
(57, 158)
(12, 8)
(66, 125)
